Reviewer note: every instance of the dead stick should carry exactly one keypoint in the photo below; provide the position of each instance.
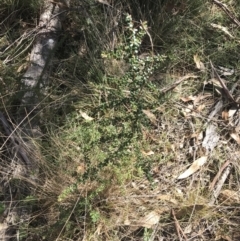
(178, 227)
(227, 11)
(220, 183)
(225, 89)
(211, 186)
(179, 81)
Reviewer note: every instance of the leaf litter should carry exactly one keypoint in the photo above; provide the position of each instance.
(196, 165)
(152, 200)
(209, 137)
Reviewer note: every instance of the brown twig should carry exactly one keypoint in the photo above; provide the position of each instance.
(211, 186)
(220, 183)
(225, 89)
(227, 11)
(179, 81)
(178, 227)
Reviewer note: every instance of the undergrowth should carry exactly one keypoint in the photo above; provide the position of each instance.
(114, 141)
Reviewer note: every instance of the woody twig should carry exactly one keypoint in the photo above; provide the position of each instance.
(224, 87)
(227, 11)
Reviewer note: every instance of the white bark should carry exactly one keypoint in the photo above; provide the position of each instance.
(35, 78)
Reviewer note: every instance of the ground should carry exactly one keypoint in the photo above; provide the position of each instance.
(132, 148)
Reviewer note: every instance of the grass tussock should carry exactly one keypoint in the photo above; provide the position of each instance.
(114, 141)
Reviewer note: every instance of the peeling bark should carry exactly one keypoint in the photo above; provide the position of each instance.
(34, 80)
(22, 166)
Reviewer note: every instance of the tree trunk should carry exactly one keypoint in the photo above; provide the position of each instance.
(20, 172)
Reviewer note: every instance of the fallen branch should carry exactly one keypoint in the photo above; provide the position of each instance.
(227, 11)
(220, 183)
(224, 87)
(211, 186)
(210, 141)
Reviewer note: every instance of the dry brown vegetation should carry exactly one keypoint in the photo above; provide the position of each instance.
(140, 121)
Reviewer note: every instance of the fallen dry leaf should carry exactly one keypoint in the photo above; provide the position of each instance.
(220, 237)
(187, 99)
(85, 116)
(236, 137)
(201, 97)
(231, 112)
(197, 135)
(200, 136)
(226, 71)
(183, 210)
(166, 197)
(188, 229)
(81, 168)
(99, 228)
(188, 109)
(148, 153)
(173, 147)
(104, 2)
(201, 107)
(150, 220)
(127, 222)
(150, 116)
(230, 196)
(215, 82)
(161, 109)
(198, 63)
(217, 86)
(225, 115)
(222, 28)
(194, 167)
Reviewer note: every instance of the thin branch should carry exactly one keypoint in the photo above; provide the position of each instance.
(211, 186)
(227, 11)
(178, 227)
(225, 89)
(177, 82)
(220, 183)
